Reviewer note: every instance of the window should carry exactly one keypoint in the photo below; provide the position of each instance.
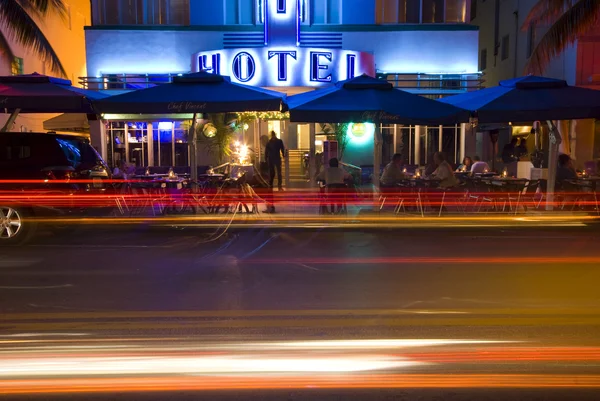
(16, 67)
(239, 12)
(15, 152)
(504, 47)
(326, 11)
(473, 9)
(433, 11)
(131, 12)
(483, 60)
(401, 11)
(456, 11)
(530, 39)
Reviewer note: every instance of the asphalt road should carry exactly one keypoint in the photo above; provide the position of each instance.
(525, 299)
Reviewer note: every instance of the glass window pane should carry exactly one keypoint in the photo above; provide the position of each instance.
(247, 11)
(433, 11)
(333, 11)
(318, 11)
(179, 12)
(231, 12)
(409, 11)
(129, 11)
(109, 9)
(390, 11)
(456, 10)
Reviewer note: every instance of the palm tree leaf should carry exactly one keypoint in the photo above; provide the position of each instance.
(545, 12)
(41, 8)
(21, 28)
(576, 21)
(6, 52)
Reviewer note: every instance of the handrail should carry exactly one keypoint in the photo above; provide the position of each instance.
(224, 165)
(352, 166)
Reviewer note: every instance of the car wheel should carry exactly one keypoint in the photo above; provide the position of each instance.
(16, 226)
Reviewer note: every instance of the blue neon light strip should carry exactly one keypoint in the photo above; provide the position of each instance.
(298, 20)
(266, 20)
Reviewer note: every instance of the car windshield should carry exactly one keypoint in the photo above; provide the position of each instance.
(77, 151)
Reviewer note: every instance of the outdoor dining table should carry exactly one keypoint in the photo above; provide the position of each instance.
(588, 185)
(418, 185)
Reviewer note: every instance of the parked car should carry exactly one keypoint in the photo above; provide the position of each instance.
(45, 174)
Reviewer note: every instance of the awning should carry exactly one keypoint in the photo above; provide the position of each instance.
(68, 122)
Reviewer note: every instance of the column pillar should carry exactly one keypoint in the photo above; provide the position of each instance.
(555, 140)
(312, 157)
(150, 143)
(98, 137)
(463, 142)
(377, 155)
(292, 136)
(285, 132)
(417, 131)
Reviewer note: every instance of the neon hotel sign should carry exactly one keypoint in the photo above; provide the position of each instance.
(282, 62)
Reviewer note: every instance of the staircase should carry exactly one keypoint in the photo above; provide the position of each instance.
(298, 179)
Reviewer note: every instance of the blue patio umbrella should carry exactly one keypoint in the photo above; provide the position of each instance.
(529, 98)
(532, 98)
(194, 93)
(35, 93)
(367, 99)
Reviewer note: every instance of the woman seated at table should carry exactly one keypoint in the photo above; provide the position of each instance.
(443, 172)
(466, 165)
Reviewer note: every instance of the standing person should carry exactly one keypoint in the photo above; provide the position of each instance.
(509, 152)
(274, 152)
(521, 151)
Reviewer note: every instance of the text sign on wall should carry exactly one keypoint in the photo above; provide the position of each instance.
(296, 66)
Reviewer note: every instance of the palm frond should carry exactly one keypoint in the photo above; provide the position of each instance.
(576, 21)
(41, 8)
(545, 12)
(6, 53)
(223, 133)
(21, 28)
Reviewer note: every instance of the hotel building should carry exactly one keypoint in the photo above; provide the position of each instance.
(427, 47)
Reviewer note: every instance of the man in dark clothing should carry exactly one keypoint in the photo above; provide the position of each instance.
(274, 152)
(509, 152)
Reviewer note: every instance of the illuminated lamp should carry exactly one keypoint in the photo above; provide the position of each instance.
(165, 125)
(360, 133)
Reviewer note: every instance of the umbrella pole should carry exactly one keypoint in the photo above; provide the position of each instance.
(555, 140)
(10, 121)
(376, 164)
(193, 153)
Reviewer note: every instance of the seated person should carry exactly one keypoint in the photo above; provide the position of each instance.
(444, 171)
(466, 165)
(117, 173)
(479, 167)
(565, 171)
(334, 174)
(392, 173)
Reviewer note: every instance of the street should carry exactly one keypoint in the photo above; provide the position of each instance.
(515, 309)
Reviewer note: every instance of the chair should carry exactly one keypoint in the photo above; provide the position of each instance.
(527, 195)
(336, 196)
